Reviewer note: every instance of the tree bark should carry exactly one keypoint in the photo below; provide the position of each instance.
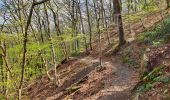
(117, 12)
(89, 24)
(168, 4)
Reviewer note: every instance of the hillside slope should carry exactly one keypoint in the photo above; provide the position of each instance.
(80, 80)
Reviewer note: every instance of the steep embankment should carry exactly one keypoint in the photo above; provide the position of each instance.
(79, 79)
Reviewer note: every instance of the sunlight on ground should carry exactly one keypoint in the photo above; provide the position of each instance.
(115, 89)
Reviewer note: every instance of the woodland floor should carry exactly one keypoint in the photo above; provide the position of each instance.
(79, 79)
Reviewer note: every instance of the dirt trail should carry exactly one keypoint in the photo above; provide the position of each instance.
(113, 83)
(117, 86)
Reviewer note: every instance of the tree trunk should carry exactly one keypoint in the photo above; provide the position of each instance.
(168, 4)
(99, 37)
(105, 22)
(117, 9)
(58, 31)
(25, 45)
(89, 24)
(2, 72)
(82, 26)
(56, 81)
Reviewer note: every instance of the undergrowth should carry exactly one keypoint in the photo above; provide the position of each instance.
(159, 35)
(158, 78)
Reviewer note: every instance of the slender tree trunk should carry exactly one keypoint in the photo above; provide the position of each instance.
(111, 11)
(25, 45)
(39, 24)
(102, 13)
(73, 19)
(20, 16)
(89, 24)
(76, 31)
(82, 26)
(105, 22)
(100, 47)
(6, 64)
(24, 52)
(58, 31)
(168, 4)
(99, 37)
(128, 6)
(43, 59)
(2, 78)
(7, 83)
(2, 72)
(95, 10)
(56, 81)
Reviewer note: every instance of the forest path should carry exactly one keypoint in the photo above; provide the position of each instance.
(113, 83)
(118, 85)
